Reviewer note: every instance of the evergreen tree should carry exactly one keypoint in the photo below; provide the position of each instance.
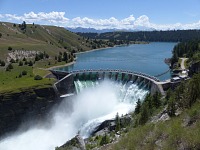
(24, 59)
(30, 63)
(105, 140)
(171, 109)
(117, 122)
(138, 107)
(156, 100)
(65, 56)
(3, 63)
(20, 63)
(37, 58)
(59, 58)
(194, 90)
(144, 114)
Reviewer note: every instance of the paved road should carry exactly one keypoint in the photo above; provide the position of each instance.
(183, 63)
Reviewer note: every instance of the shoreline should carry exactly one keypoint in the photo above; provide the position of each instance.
(65, 65)
(92, 50)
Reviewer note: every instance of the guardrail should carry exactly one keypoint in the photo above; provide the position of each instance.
(110, 70)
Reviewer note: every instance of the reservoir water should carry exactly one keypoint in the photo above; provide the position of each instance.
(96, 101)
(145, 58)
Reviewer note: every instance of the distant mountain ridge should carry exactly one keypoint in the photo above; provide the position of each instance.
(93, 30)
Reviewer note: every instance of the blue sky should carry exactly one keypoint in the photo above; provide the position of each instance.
(130, 14)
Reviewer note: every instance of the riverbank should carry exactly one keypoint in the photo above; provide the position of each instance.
(65, 65)
(103, 48)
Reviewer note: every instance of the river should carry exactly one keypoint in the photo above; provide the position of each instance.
(145, 58)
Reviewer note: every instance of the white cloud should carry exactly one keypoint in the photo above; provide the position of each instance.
(142, 21)
(59, 18)
(41, 17)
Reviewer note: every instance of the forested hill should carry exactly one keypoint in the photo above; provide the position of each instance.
(150, 36)
(189, 49)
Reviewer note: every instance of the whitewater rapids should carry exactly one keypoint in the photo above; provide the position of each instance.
(94, 103)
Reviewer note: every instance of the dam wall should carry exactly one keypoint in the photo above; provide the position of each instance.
(66, 83)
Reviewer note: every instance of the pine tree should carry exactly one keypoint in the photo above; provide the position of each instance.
(138, 107)
(144, 114)
(20, 63)
(117, 122)
(171, 109)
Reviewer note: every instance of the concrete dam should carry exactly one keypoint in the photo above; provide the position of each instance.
(66, 84)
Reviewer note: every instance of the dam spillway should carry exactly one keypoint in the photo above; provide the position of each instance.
(66, 83)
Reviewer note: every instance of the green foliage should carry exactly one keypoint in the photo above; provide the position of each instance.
(38, 77)
(10, 66)
(23, 25)
(150, 36)
(24, 72)
(30, 63)
(65, 57)
(105, 140)
(171, 134)
(194, 90)
(24, 59)
(59, 58)
(189, 49)
(144, 115)
(138, 107)
(9, 48)
(171, 108)
(20, 63)
(156, 100)
(185, 95)
(117, 122)
(20, 75)
(12, 61)
(2, 63)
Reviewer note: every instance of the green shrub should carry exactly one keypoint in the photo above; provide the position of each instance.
(37, 77)
(20, 63)
(9, 48)
(24, 72)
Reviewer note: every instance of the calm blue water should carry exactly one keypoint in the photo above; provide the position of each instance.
(146, 58)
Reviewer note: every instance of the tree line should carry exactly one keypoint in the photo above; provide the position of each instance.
(148, 36)
(189, 49)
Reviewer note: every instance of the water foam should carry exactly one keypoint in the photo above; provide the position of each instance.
(94, 103)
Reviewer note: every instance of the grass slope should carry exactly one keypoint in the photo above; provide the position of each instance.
(50, 39)
(10, 80)
(40, 38)
(180, 132)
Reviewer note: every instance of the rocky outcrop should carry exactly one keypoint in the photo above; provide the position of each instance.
(77, 143)
(32, 103)
(110, 125)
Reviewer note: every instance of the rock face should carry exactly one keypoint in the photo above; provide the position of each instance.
(77, 143)
(15, 107)
(110, 125)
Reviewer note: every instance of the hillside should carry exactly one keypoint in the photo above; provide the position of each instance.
(26, 50)
(40, 38)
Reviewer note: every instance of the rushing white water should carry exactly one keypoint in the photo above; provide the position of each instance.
(94, 103)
